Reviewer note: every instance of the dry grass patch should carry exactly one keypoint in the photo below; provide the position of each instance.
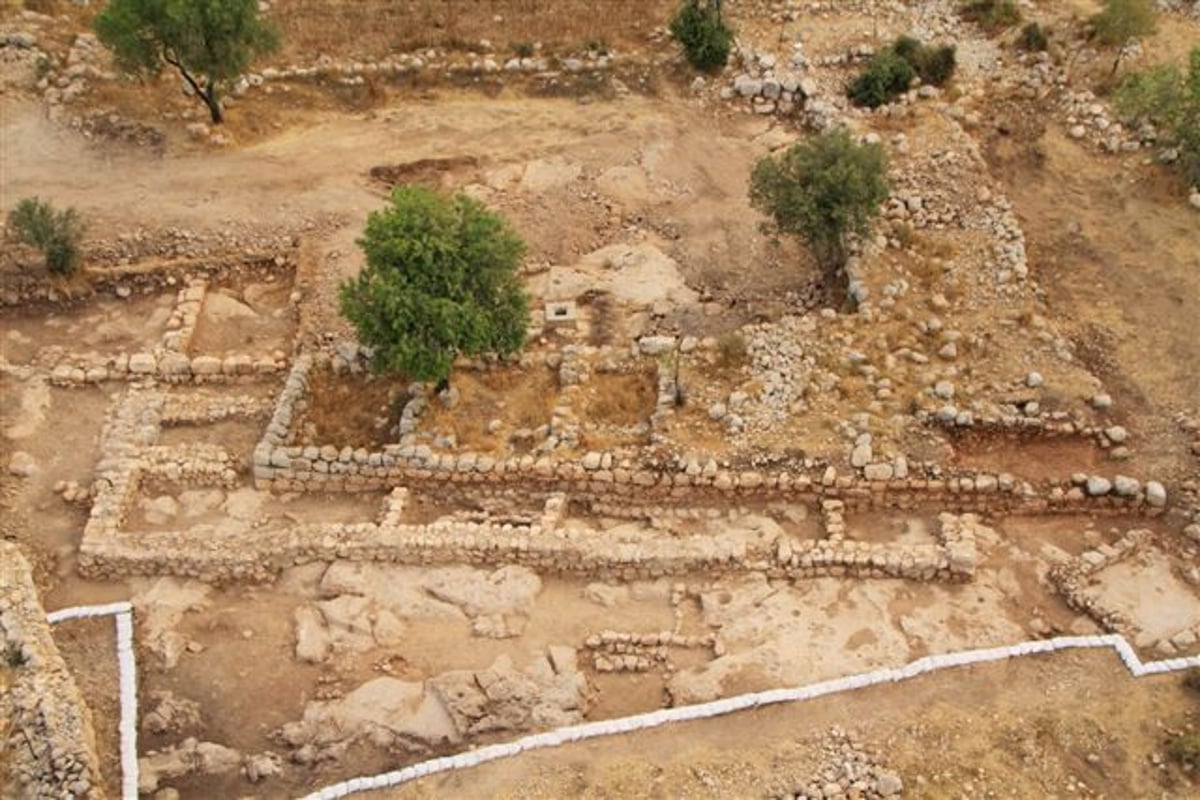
(516, 398)
(619, 398)
(352, 410)
(375, 28)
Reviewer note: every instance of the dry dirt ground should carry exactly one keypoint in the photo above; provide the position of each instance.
(639, 196)
(979, 732)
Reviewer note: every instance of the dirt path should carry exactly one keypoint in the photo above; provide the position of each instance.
(320, 167)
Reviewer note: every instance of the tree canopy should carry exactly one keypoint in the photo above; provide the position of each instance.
(440, 280)
(210, 42)
(822, 190)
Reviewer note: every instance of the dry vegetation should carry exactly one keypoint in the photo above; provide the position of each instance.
(352, 410)
(1116, 276)
(492, 404)
(374, 28)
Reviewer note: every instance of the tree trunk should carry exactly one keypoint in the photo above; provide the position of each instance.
(208, 95)
(214, 108)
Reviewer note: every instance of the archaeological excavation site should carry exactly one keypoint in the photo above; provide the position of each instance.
(782, 399)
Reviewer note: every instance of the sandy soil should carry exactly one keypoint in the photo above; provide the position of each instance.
(976, 732)
(644, 197)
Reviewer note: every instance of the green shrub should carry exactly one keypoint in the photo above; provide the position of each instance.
(705, 37)
(1191, 679)
(885, 77)
(891, 71)
(1033, 38)
(1122, 20)
(991, 15)
(935, 65)
(524, 49)
(908, 48)
(56, 233)
(1170, 99)
(1186, 749)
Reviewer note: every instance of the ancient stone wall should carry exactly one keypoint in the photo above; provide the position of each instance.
(1072, 578)
(545, 546)
(51, 740)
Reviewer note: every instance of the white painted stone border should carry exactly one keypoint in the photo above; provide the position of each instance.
(127, 673)
(653, 719)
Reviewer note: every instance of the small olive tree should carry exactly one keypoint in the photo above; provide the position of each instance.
(441, 279)
(56, 233)
(210, 42)
(1122, 20)
(823, 190)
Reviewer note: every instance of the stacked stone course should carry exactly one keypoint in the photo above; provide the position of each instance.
(51, 740)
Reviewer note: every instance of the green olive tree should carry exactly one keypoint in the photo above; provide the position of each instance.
(441, 279)
(210, 42)
(823, 190)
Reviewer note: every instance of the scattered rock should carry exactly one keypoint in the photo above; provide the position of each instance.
(22, 464)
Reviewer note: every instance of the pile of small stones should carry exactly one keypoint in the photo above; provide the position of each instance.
(847, 771)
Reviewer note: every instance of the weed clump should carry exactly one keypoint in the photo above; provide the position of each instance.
(992, 15)
(56, 233)
(1033, 39)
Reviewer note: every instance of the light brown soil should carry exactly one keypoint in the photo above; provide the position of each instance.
(89, 648)
(619, 398)
(1010, 730)
(517, 398)
(1115, 251)
(352, 410)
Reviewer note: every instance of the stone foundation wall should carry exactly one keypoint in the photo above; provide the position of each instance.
(546, 546)
(282, 466)
(330, 469)
(51, 742)
(182, 325)
(1072, 579)
(167, 366)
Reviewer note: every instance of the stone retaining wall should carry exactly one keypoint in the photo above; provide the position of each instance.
(167, 366)
(546, 546)
(1072, 578)
(282, 466)
(51, 742)
(142, 279)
